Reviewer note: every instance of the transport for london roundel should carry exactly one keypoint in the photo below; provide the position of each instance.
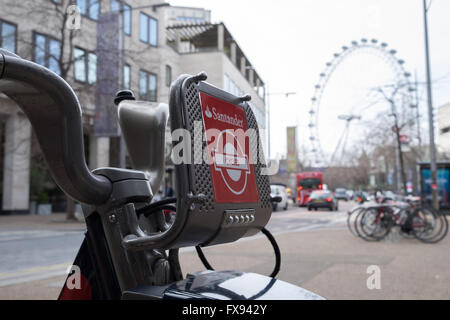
(233, 174)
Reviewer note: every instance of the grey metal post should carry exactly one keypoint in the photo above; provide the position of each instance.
(434, 189)
(419, 135)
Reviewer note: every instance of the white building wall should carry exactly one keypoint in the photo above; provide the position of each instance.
(16, 167)
(210, 62)
(444, 128)
(239, 79)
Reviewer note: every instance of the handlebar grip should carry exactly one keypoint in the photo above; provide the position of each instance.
(55, 115)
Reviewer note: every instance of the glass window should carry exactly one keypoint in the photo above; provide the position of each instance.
(80, 65)
(152, 87)
(153, 32)
(127, 19)
(115, 5)
(39, 49)
(89, 8)
(126, 77)
(168, 75)
(47, 52)
(148, 85)
(148, 30)
(310, 183)
(94, 9)
(92, 68)
(143, 87)
(143, 28)
(54, 49)
(82, 5)
(8, 36)
(85, 66)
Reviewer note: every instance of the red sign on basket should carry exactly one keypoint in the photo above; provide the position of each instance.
(233, 176)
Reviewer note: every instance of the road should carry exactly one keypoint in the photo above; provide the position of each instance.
(30, 255)
(318, 254)
(299, 219)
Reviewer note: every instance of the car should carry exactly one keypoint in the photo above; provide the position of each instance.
(341, 194)
(322, 199)
(350, 194)
(361, 197)
(388, 196)
(278, 190)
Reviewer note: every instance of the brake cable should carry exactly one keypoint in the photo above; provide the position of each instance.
(156, 206)
(272, 240)
(166, 205)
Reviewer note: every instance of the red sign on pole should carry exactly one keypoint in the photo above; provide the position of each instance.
(233, 176)
(404, 138)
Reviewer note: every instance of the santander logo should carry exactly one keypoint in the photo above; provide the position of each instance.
(208, 112)
(223, 117)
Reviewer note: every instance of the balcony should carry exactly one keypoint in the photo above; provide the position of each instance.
(209, 37)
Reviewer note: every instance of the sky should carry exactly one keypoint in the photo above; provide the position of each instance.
(289, 42)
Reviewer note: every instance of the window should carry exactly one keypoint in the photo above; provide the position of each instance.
(148, 30)
(89, 8)
(445, 130)
(147, 85)
(85, 66)
(168, 75)
(230, 86)
(117, 5)
(126, 77)
(47, 52)
(8, 36)
(259, 115)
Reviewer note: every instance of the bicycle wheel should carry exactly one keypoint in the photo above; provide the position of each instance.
(375, 223)
(352, 215)
(428, 225)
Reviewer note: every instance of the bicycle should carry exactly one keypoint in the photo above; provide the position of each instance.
(374, 223)
(130, 249)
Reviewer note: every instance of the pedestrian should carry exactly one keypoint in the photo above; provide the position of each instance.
(169, 190)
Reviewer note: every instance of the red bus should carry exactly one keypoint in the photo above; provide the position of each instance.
(307, 182)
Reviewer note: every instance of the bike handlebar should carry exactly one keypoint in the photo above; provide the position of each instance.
(55, 115)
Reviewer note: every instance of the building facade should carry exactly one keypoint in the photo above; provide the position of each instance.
(106, 46)
(444, 130)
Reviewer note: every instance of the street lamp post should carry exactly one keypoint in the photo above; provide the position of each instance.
(433, 167)
(416, 106)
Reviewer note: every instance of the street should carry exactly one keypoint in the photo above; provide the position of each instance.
(318, 253)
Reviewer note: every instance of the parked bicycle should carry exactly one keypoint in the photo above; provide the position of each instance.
(375, 222)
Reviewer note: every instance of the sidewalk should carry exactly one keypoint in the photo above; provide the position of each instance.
(329, 262)
(56, 221)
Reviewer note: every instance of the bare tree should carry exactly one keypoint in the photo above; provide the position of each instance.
(402, 120)
(64, 18)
